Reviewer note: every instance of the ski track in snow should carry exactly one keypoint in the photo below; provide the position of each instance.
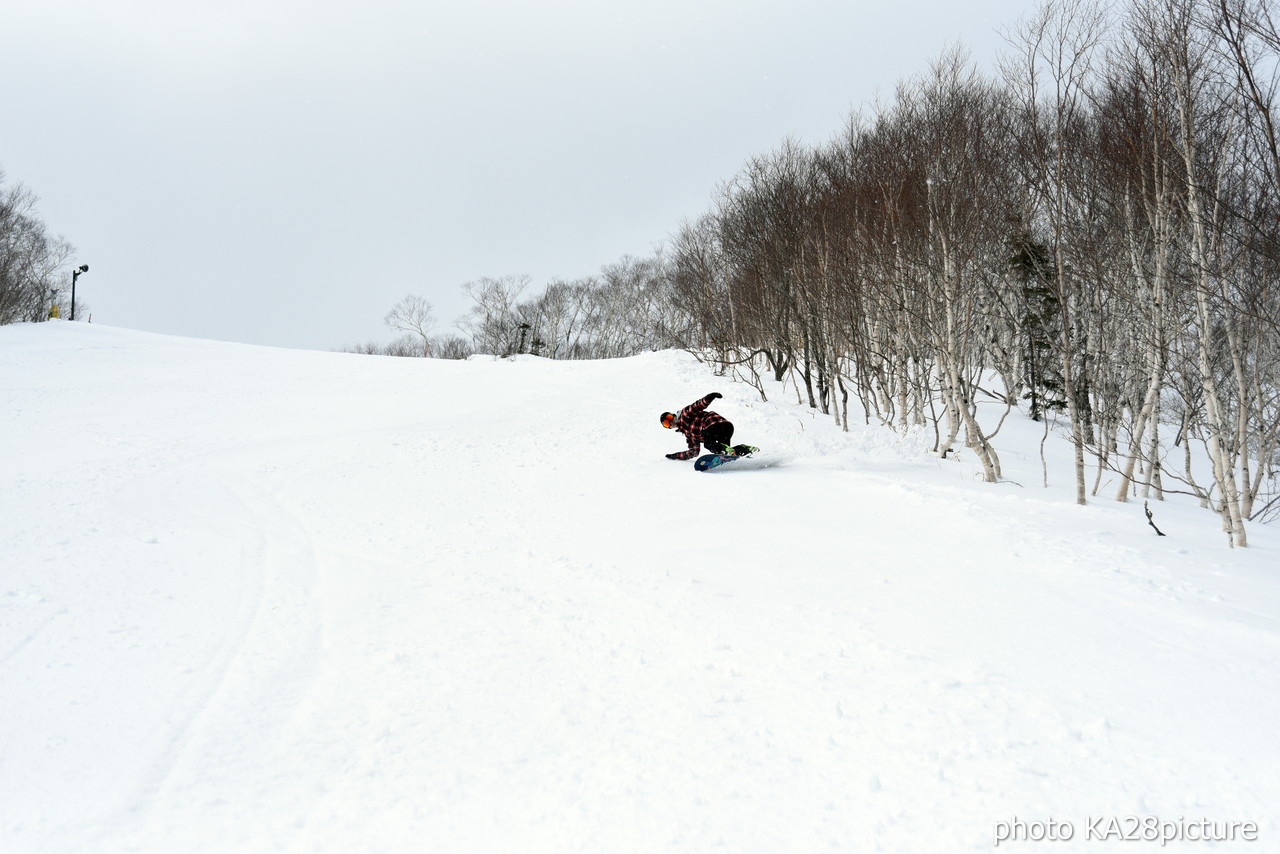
(264, 600)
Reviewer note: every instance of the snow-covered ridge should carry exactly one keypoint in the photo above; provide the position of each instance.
(263, 600)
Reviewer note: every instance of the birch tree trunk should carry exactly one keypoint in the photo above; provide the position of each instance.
(1185, 64)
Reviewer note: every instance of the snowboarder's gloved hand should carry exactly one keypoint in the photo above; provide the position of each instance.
(714, 395)
(673, 456)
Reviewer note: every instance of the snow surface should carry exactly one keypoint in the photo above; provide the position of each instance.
(263, 600)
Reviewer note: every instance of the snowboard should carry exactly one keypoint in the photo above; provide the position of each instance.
(707, 462)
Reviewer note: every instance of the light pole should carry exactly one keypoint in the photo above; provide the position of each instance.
(75, 274)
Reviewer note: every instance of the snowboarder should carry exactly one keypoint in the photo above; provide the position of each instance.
(702, 426)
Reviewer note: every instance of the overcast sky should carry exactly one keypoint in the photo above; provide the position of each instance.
(280, 172)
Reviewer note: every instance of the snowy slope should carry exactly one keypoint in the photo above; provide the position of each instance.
(260, 600)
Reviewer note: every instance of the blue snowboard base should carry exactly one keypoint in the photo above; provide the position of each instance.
(707, 462)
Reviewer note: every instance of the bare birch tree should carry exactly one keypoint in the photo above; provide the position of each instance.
(415, 317)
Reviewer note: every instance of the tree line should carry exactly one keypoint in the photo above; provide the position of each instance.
(33, 263)
(1092, 232)
(629, 307)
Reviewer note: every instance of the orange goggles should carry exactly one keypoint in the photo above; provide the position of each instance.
(668, 420)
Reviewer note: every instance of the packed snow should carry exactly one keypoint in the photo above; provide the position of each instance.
(264, 600)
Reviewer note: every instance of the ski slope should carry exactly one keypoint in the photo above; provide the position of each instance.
(263, 600)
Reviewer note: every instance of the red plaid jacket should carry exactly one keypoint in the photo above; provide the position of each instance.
(693, 421)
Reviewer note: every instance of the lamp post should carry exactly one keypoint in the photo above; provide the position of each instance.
(75, 274)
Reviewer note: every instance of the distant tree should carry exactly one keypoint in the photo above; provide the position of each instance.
(414, 316)
(494, 322)
(408, 346)
(451, 347)
(369, 348)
